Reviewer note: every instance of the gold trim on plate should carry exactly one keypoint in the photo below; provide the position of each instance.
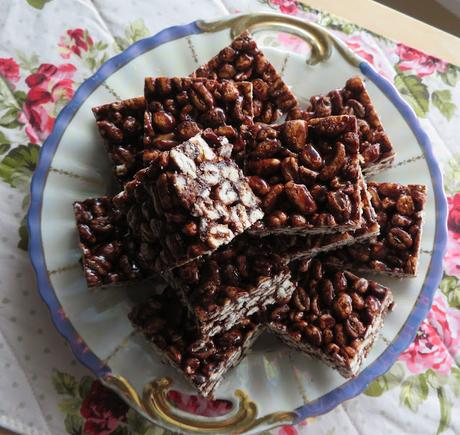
(155, 404)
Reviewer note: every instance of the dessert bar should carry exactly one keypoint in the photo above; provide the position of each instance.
(306, 174)
(180, 108)
(108, 252)
(121, 125)
(234, 282)
(202, 361)
(191, 200)
(376, 149)
(244, 61)
(292, 248)
(333, 315)
(396, 250)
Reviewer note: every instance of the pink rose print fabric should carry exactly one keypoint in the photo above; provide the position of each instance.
(50, 88)
(102, 410)
(286, 6)
(9, 70)
(452, 257)
(453, 220)
(356, 44)
(421, 63)
(446, 322)
(75, 41)
(427, 352)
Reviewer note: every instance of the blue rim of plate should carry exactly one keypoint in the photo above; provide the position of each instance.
(92, 362)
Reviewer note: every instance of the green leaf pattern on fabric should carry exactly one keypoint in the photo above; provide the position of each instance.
(10, 118)
(20, 97)
(414, 91)
(452, 175)
(133, 32)
(8, 102)
(70, 406)
(17, 166)
(445, 406)
(3, 139)
(4, 147)
(416, 388)
(38, 4)
(28, 62)
(65, 383)
(442, 100)
(73, 393)
(5, 143)
(454, 381)
(73, 424)
(84, 386)
(450, 286)
(136, 423)
(451, 75)
(391, 379)
(23, 234)
(435, 380)
(414, 391)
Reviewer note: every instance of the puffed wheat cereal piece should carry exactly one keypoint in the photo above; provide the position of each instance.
(333, 315)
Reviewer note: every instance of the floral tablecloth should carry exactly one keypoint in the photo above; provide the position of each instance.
(47, 48)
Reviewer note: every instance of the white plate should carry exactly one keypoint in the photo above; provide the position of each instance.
(279, 385)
